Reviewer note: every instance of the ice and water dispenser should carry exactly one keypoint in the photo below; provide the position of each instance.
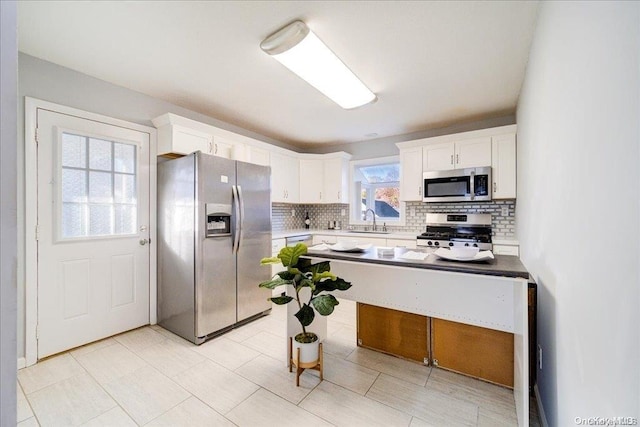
(218, 220)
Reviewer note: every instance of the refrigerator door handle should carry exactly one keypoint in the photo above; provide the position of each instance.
(236, 233)
(240, 231)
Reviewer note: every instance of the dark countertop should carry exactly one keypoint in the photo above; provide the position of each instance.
(502, 265)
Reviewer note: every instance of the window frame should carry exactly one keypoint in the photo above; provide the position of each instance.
(57, 193)
(354, 206)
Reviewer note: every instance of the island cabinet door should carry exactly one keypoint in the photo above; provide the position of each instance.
(472, 350)
(394, 332)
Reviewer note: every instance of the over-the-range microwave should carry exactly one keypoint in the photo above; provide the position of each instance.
(457, 185)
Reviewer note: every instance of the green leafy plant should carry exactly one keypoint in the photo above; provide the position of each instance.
(301, 273)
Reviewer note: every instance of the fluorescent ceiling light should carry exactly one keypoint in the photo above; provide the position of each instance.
(301, 51)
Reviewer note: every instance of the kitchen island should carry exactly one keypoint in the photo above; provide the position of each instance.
(489, 294)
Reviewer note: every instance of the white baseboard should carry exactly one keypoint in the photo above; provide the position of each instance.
(22, 362)
(541, 414)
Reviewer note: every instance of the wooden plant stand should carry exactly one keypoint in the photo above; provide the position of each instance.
(300, 367)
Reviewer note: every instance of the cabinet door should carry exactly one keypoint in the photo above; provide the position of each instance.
(438, 157)
(292, 184)
(258, 156)
(336, 180)
(363, 240)
(222, 148)
(503, 163)
(186, 141)
(473, 153)
(411, 174)
(311, 181)
(279, 177)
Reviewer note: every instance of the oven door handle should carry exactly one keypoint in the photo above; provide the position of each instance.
(473, 184)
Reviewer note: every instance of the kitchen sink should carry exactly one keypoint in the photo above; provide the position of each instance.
(368, 232)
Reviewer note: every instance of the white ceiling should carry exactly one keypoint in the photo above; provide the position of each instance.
(431, 64)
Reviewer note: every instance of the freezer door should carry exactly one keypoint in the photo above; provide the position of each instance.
(255, 238)
(215, 261)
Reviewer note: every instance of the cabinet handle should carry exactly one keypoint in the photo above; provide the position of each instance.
(321, 195)
(215, 148)
(452, 159)
(494, 187)
(210, 147)
(457, 159)
(339, 191)
(420, 190)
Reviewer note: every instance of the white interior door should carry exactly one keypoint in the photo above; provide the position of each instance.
(92, 232)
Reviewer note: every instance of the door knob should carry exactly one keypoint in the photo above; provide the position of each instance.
(143, 242)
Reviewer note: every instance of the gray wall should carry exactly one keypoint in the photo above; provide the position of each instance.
(383, 147)
(47, 81)
(8, 216)
(579, 207)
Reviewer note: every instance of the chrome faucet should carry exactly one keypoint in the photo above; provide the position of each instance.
(375, 227)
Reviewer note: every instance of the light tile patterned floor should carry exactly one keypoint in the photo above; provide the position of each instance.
(151, 377)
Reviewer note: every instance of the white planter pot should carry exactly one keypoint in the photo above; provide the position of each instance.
(308, 351)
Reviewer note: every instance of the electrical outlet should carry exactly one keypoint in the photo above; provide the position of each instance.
(343, 212)
(293, 212)
(505, 211)
(539, 357)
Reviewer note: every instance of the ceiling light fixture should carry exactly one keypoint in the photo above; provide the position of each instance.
(296, 47)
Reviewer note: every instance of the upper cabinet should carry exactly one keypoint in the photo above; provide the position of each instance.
(336, 178)
(176, 140)
(324, 178)
(468, 153)
(285, 178)
(495, 147)
(503, 164)
(311, 181)
(411, 174)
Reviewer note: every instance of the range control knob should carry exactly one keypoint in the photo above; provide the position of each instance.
(429, 243)
(437, 243)
(475, 245)
(466, 244)
(450, 243)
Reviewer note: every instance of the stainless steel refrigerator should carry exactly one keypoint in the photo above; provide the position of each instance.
(214, 226)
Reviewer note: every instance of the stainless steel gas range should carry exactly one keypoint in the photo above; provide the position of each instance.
(455, 229)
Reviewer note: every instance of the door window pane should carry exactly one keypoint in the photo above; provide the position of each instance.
(100, 154)
(98, 187)
(124, 157)
(74, 151)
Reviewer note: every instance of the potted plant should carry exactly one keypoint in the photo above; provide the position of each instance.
(301, 274)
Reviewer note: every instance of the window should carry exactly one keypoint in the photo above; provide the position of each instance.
(376, 186)
(98, 187)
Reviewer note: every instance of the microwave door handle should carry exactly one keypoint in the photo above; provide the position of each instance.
(473, 185)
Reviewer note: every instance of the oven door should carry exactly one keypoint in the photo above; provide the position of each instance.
(458, 185)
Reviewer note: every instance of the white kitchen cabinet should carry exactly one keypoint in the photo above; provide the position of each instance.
(336, 180)
(399, 243)
(276, 245)
(468, 153)
(285, 178)
(258, 156)
(438, 157)
(322, 238)
(179, 140)
(222, 147)
(411, 174)
(503, 164)
(311, 181)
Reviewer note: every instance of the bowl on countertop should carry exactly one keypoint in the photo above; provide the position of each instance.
(464, 252)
